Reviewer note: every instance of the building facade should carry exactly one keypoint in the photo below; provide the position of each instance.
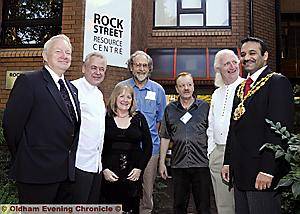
(167, 30)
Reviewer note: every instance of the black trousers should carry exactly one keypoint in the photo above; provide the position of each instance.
(54, 193)
(256, 202)
(87, 187)
(196, 180)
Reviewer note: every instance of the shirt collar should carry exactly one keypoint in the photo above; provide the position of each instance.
(235, 83)
(54, 75)
(88, 85)
(195, 103)
(146, 86)
(257, 73)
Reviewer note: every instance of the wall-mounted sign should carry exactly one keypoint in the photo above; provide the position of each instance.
(11, 77)
(108, 30)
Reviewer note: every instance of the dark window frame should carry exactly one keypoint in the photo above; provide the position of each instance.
(208, 62)
(181, 10)
(54, 22)
(201, 10)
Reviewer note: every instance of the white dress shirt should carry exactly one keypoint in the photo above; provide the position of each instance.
(220, 114)
(91, 135)
(256, 74)
(56, 78)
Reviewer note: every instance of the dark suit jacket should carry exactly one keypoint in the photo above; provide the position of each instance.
(273, 101)
(39, 131)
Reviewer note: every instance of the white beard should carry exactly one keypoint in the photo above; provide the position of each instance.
(141, 77)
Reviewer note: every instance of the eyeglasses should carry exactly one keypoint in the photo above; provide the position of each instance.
(140, 65)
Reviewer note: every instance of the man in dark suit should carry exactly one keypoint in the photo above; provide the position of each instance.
(41, 125)
(264, 94)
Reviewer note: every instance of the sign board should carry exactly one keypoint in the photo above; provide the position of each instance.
(11, 77)
(107, 29)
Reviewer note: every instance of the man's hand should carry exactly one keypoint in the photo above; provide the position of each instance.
(110, 175)
(263, 181)
(134, 175)
(163, 171)
(164, 145)
(225, 173)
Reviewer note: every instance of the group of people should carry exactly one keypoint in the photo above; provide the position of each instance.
(64, 140)
(68, 147)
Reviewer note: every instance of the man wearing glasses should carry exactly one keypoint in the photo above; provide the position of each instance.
(151, 101)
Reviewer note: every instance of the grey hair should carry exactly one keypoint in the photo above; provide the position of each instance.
(130, 60)
(218, 65)
(53, 38)
(94, 54)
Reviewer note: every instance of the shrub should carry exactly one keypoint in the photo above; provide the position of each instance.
(1, 130)
(8, 191)
(291, 181)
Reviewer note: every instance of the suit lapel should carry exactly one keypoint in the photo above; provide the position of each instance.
(248, 101)
(51, 86)
(75, 98)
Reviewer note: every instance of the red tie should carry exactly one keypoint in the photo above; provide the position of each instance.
(249, 81)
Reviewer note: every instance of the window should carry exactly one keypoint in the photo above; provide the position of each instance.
(211, 54)
(192, 13)
(29, 23)
(290, 44)
(168, 63)
(164, 62)
(191, 60)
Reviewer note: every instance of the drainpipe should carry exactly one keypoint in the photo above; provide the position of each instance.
(278, 35)
(251, 33)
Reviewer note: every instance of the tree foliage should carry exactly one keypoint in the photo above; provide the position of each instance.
(291, 181)
(30, 22)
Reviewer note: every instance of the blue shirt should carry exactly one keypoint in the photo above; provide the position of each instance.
(151, 101)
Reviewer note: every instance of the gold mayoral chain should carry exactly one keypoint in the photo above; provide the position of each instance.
(240, 109)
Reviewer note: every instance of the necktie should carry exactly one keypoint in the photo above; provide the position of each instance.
(65, 95)
(249, 81)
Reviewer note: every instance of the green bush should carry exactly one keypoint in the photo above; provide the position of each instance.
(290, 182)
(160, 195)
(8, 191)
(289, 205)
(1, 130)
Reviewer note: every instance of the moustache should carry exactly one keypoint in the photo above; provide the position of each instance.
(246, 61)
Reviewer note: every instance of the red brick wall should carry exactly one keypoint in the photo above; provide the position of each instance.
(72, 26)
(12, 62)
(73, 21)
(200, 38)
(265, 26)
(143, 36)
(138, 42)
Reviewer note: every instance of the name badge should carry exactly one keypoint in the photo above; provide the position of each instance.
(186, 117)
(151, 95)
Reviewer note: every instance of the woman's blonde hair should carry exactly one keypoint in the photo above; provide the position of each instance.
(112, 103)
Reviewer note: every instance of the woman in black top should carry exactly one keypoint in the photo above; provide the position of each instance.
(127, 150)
